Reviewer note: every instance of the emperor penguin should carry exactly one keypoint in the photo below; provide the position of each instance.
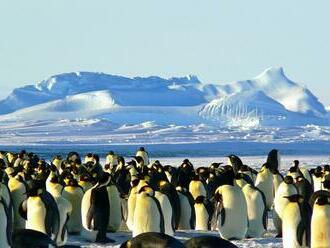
(112, 161)
(304, 187)
(144, 154)
(152, 239)
(95, 211)
(264, 182)
(74, 194)
(320, 224)
(286, 188)
(18, 189)
(65, 209)
(231, 211)
(115, 207)
(41, 211)
(317, 178)
(274, 160)
(187, 214)
(257, 211)
(208, 241)
(296, 223)
(197, 187)
(5, 224)
(203, 213)
(235, 162)
(167, 211)
(148, 215)
(131, 202)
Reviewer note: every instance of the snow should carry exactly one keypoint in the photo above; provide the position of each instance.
(271, 99)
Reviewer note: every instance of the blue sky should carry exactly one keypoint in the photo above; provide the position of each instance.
(219, 41)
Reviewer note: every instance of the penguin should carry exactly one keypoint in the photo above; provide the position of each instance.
(296, 223)
(144, 154)
(167, 211)
(203, 214)
(65, 209)
(28, 238)
(95, 211)
(18, 189)
(131, 202)
(264, 182)
(208, 241)
(317, 178)
(5, 224)
(74, 194)
(304, 187)
(170, 191)
(295, 171)
(41, 211)
(277, 180)
(115, 208)
(197, 187)
(148, 216)
(152, 239)
(286, 188)
(111, 161)
(231, 212)
(320, 223)
(235, 162)
(274, 160)
(257, 211)
(169, 171)
(187, 215)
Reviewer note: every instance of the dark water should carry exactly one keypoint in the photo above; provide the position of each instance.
(183, 150)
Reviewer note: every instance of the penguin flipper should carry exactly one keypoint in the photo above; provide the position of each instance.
(23, 209)
(223, 216)
(300, 232)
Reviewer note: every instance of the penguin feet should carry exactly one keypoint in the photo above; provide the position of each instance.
(104, 240)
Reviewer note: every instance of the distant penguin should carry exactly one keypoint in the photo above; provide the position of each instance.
(203, 213)
(197, 187)
(167, 211)
(320, 224)
(235, 162)
(317, 178)
(277, 180)
(304, 187)
(264, 182)
(257, 211)
(296, 223)
(187, 215)
(232, 212)
(274, 160)
(95, 211)
(143, 153)
(5, 224)
(74, 194)
(295, 171)
(286, 188)
(65, 209)
(131, 202)
(208, 241)
(152, 239)
(18, 189)
(41, 211)
(148, 215)
(115, 208)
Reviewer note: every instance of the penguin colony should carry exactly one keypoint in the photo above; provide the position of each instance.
(42, 203)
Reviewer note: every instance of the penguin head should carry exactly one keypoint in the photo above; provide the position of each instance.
(146, 189)
(200, 199)
(135, 182)
(235, 162)
(326, 168)
(35, 189)
(295, 198)
(296, 163)
(322, 200)
(111, 153)
(218, 197)
(141, 149)
(73, 183)
(288, 180)
(104, 179)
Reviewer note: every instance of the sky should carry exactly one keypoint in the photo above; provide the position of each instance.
(217, 40)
